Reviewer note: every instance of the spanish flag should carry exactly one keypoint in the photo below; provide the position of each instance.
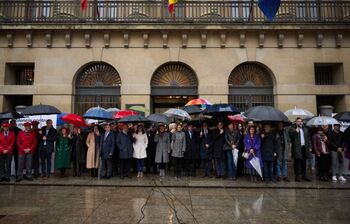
(171, 6)
(83, 5)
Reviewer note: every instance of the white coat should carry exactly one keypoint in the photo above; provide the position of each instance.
(140, 145)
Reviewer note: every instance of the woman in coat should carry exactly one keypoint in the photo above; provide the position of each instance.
(78, 155)
(252, 147)
(62, 154)
(162, 139)
(140, 145)
(321, 146)
(93, 143)
(231, 143)
(178, 148)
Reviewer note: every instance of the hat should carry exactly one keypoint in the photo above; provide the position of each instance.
(35, 122)
(27, 124)
(6, 125)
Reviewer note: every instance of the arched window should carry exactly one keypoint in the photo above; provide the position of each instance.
(250, 84)
(173, 84)
(97, 84)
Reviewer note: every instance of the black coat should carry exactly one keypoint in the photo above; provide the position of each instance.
(107, 145)
(78, 153)
(192, 146)
(218, 144)
(269, 146)
(51, 137)
(206, 153)
(124, 142)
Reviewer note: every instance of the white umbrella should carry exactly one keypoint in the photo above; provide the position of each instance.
(113, 110)
(298, 112)
(235, 156)
(256, 165)
(322, 120)
(177, 113)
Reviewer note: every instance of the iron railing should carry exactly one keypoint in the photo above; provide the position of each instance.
(155, 11)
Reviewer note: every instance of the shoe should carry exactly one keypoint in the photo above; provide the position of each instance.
(306, 179)
(18, 179)
(342, 179)
(108, 177)
(297, 179)
(141, 174)
(217, 176)
(334, 178)
(138, 174)
(279, 179)
(122, 177)
(204, 176)
(321, 178)
(2, 179)
(7, 179)
(286, 179)
(29, 178)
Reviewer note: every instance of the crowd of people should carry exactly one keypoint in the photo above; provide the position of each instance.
(223, 151)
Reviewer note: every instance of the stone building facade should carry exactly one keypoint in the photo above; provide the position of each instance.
(136, 55)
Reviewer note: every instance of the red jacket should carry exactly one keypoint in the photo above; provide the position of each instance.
(7, 143)
(25, 141)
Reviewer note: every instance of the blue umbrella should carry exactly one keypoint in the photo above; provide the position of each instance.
(98, 113)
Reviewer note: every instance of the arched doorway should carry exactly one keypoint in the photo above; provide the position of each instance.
(250, 84)
(96, 84)
(173, 84)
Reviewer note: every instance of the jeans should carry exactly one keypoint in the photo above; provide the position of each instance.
(106, 167)
(45, 159)
(5, 165)
(231, 166)
(337, 163)
(268, 169)
(220, 166)
(25, 160)
(311, 161)
(281, 168)
(139, 165)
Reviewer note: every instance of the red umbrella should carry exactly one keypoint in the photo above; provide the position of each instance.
(199, 101)
(236, 118)
(74, 119)
(124, 113)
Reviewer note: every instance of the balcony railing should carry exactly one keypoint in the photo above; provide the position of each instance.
(155, 11)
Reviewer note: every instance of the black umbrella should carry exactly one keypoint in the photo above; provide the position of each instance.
(133, 119)
(41, 109)
(343, 116)
(192, 109)
(10, 115)
(266, 114)
(158, 118)
(222, 109)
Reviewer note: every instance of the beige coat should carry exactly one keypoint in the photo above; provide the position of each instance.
(93, 154)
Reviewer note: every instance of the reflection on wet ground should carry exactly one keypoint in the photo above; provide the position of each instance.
(72, 204)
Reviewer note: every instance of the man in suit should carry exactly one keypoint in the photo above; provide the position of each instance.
(7, 142)
(206, 149)
(107, 150)
(124, 142)
(191, 153)
(35, 129)
(47, 147)
(26, 142)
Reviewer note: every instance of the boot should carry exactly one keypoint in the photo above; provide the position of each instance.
(138, 174)
(141, 174)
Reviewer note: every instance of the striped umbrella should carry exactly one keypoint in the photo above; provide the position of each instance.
(199, 101)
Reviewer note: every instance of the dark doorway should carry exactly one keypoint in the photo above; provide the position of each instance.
(11, 101)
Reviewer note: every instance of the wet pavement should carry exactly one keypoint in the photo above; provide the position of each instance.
(43, 204)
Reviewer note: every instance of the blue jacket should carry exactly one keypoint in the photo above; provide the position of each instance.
(107, 146)
(124, 143)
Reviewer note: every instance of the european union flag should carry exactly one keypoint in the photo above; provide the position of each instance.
(269, 8)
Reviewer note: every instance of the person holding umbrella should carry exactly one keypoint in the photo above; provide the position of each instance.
(230, 147)
(47, 147)
(301, 148)
(7, 142)
(178, 148)
(140, 145)
(191, 153)
(162, 139)
(125, 145)
(252, 143)
(337, 145)
(218, 153)
(206, 149)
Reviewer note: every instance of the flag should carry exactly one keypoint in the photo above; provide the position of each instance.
(171, 6)
(269, 8)
(83, 5)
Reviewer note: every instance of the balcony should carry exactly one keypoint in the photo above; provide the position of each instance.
(155, 12)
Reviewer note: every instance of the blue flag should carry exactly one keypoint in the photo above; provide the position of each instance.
(269, 8)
